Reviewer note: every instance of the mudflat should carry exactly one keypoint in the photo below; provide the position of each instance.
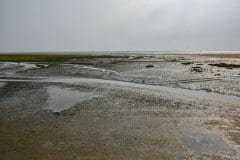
(120, 107)
(222, 55)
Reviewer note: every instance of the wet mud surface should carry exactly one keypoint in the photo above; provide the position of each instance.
(120, 109)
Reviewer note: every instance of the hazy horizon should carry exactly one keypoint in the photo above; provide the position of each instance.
(122, 52)
(119, 26)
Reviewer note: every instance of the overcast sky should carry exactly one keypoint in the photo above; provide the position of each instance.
(106, 25)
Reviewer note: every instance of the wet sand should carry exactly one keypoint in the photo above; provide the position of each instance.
(217, 55)
(108, 109)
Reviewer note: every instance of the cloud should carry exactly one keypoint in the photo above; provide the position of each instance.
(76, 25)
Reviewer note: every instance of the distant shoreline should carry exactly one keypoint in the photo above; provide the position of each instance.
(123, 53)
(50, 57)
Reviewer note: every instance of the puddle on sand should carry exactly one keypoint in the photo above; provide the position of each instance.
(178, 91)
(203, 144)
(64, 98)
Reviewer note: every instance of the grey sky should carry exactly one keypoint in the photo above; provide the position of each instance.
(98, 25)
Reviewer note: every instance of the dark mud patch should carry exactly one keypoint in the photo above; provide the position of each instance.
(187, 63)
(225, 65)
(21, 100)
(196, 69)
(149, 66)
(9, 89)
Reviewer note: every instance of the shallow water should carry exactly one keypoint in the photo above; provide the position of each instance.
(90, 70)
(178, 91)
(185, 92)
(202, 143)
(13, 67)
(61, 98)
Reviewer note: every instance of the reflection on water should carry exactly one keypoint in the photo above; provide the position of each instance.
(108, 83)
(179, 91)
(64, 98)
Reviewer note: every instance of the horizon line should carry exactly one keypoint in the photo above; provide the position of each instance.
(120, 51)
